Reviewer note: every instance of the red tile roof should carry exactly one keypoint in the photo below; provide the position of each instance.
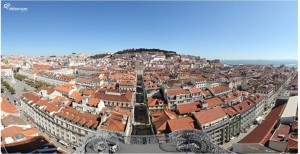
(199, 78)
(57, 99)
(231, 96)
(114, 123)
(49, 90)
(243, 106)
(86, 119)
(215, 101)
(12, 131)
(195, 90)
(93, 101)
(180, 123)
(262, 133)
(173, 92)
(154, 101)
(230, 111)
(160, 121)
(256, 99)
(188, 108)
(31, 97)
(210, 115)
(88, 92)
(126, 98)
(220, 89)
(7, 107)
(77, 96)
(282, 130)
(63, 89)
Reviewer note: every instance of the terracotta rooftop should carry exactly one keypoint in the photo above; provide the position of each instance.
(93, 101)
(63, 89)
(230, 111)
(161, 119)
(86, 119)
(210, 115)
(31, 97)
(188, 107)
(114, 123)
(215, 101)
(231, 96)
(262, 133)
(281, 130)
(7, 107)
(154, 101)
(88, 92)
(195, 90)
(206, 93)
(173, 92)
(126, 98)
(77, 96)
(49, 90)
(199, 78)
(58, 99)
(220, 89)
(256, 99)
(13, 131)
(180, 123)
(243, 106)
(126, 83)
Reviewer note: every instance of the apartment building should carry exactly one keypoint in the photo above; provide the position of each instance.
(127, 85)
(199, 82)
(156, 104)
(87, 82)
(177, 96)
(196, 94)
(54, 79)
(247, 111)
(235, 121)
(63, 123)
(219, 90)
(259, 104)
(113, 97)
(89, 104)
(266, 91)
(6, 71)
(215, 122)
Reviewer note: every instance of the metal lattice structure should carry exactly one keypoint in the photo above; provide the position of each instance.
(187, 140)
(197, 141)
(100, 141)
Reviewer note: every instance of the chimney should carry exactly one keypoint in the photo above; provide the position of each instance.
(124, 120)
(204, 104)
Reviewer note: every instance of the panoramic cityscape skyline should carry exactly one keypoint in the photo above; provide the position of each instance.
(149, 77)
(213, 30)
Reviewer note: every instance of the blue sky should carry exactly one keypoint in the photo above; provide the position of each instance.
(224, 30)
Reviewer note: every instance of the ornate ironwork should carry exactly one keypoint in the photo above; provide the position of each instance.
(188, 140)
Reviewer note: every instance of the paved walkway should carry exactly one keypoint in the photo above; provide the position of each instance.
(19, 86)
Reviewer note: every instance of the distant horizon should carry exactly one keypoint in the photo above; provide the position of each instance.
(214, 30)
(175, 51)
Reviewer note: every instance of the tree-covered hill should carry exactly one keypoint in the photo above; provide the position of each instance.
(140, 50)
